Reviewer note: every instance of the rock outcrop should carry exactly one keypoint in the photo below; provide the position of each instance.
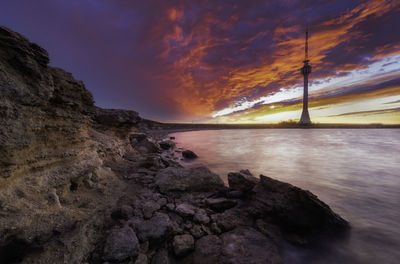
(81, 184)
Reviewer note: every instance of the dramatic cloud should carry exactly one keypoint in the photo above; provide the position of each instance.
(221, 61)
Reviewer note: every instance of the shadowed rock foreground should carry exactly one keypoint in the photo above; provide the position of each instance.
(80, 184)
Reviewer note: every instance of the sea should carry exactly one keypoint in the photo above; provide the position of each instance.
(355, 171)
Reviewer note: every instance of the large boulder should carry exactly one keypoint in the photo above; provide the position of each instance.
(244, 244)
(297, 212)
(242, 181)
(188, 180)
(121, 244)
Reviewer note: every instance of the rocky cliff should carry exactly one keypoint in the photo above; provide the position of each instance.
(81, 184)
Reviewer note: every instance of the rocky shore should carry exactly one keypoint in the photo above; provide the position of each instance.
(81, 184)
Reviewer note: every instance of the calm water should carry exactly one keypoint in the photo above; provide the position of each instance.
(355, 171)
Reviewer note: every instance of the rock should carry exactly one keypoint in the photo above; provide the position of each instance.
(185, 210)
(143, 144)
(201, 217)
(155, 229)
(152, 161)
(197, 231)
(141, 259)
(183, 244)
(215, 229)
(149, 208)
(121, 244)
(188, 179)
(231, 219)
(161, 257)
(188, 154)
(172, 138)
(170, 206)
(122, 212)
(295, 211)
(167, 144)
(244, 245)
(115, 117)
(207, 250)
(220, 204)
(162, 201)
(242, 181)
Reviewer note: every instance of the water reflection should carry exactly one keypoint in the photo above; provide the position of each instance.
(355, 171)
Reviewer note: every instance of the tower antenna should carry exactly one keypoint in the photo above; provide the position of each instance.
(306, 47)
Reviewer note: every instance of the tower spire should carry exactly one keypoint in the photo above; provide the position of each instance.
(306, 70)
(306, 47)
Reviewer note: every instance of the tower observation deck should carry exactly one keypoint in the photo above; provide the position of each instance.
(306, 70)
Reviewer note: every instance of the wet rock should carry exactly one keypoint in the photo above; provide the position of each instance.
(297, 212)
(188, 179)
(220, 204)
(167, 144)
(207, 250)
(183, 244)
(242, 181)
(188, 154)
(185, 210)
(149, 208)
(121, 244)
(201, 217)
(245, 244)
(154, 229)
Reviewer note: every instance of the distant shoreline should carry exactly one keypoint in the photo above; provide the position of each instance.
(160, 130)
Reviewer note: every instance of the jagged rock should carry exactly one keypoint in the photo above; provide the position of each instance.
(167, 144)
(188, 179)
(201, 217)
(245, 244)
(149, 208)
(115, 117)
(220, 204)
(188, 154)
(155, 229)
(242, 181)
(185, 210)
(121, 244)
(207, 250)
(295, 211)
(152, 161)
(183, 244)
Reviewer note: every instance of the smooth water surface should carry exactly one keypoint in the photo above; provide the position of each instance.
(355, 171)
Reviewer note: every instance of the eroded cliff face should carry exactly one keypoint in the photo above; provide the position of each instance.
(81, 184)
(53, 148)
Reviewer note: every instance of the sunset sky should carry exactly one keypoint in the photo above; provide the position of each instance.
(224, 61)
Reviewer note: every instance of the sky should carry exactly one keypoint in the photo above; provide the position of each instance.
(224, 61)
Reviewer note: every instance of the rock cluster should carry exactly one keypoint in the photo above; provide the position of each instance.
(80, 184)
